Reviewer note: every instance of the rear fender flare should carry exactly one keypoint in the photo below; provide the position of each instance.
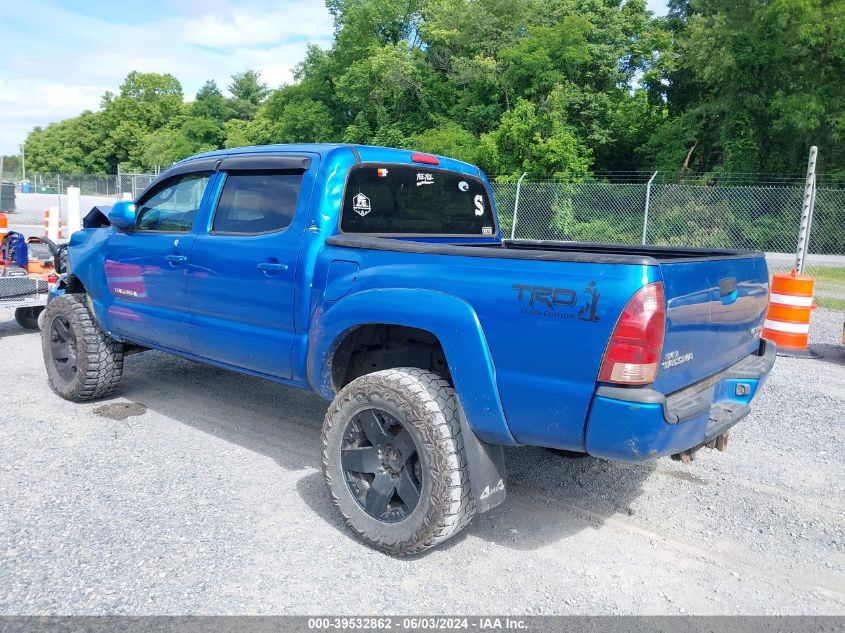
(451, 319)
(456, 326)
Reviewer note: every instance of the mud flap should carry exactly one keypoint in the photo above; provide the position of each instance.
(487, 473)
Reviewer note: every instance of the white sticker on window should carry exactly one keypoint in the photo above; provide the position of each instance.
(361, 204)
(425, 179)
(463, 186)
(487, 230)
(479, 205)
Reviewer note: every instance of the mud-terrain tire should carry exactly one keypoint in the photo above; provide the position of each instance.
(27, 318)
(82, 361)
(401, 428)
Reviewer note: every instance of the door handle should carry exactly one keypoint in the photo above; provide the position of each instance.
(175, 260)
(727, 286)
(728, 290)
(272, 267)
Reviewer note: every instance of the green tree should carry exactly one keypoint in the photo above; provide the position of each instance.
(290, 115)
(77, 145)
(542, 146)
(447, 139)
(552, 87)
(238, 133)
(754, 85)
(384, 86)
(210, 103)
(146, 102)
(11, 165)
(248, 86)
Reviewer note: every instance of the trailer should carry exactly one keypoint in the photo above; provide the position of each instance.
(27, 270)
(26, 295)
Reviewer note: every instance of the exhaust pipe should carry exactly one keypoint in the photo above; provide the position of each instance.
(720, 444)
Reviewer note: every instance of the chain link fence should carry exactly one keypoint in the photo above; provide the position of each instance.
(763, 216)
(734, 211)
(89, 184)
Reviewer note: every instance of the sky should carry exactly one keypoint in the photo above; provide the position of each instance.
(59, 57)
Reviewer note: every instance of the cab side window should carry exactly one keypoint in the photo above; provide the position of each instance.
(254, 202)
(172, 206)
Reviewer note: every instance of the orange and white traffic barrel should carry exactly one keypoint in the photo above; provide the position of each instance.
(788, 317)
(52, 230)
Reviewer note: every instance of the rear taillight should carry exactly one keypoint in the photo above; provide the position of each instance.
(633, 353)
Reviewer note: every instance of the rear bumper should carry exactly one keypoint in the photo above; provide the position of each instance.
(635, 425)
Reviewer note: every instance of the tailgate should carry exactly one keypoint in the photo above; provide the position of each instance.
(714, 312)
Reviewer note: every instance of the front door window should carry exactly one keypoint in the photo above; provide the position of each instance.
(172, 206)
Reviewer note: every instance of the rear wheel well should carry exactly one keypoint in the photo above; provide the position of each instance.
(374, 347)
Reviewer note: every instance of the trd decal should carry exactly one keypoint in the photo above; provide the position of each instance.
(548, 301)
(546, 295)
(588, 310)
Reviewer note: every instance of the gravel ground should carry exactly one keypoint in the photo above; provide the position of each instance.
(197, 491)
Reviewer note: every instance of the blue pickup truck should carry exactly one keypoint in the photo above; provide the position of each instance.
(379, 279)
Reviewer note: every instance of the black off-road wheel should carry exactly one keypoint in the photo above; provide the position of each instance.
(82, 361)
(394, 460)
(27, 318)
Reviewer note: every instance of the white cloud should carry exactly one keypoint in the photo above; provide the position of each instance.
(46, 103)
(256, 27)
(273, 62)
(65, 62)
(22, 107)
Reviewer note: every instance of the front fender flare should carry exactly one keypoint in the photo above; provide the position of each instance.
(451, 319)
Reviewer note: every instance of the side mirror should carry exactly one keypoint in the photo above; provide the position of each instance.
(122, 214)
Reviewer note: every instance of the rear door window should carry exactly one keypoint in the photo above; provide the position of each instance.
(257, 202)
(410, 200)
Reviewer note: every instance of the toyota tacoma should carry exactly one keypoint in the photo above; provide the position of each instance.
(379, 279)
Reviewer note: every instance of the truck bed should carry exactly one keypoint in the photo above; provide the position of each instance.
(659, 253)
(715, 304)
(544, 250)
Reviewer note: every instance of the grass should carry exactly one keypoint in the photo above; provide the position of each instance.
(828, 274)
(830, 303)
(829, 278)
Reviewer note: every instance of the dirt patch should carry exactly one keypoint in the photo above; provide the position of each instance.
(120, 410)
(685, 476)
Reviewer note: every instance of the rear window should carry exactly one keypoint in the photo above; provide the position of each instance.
(413, 200)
